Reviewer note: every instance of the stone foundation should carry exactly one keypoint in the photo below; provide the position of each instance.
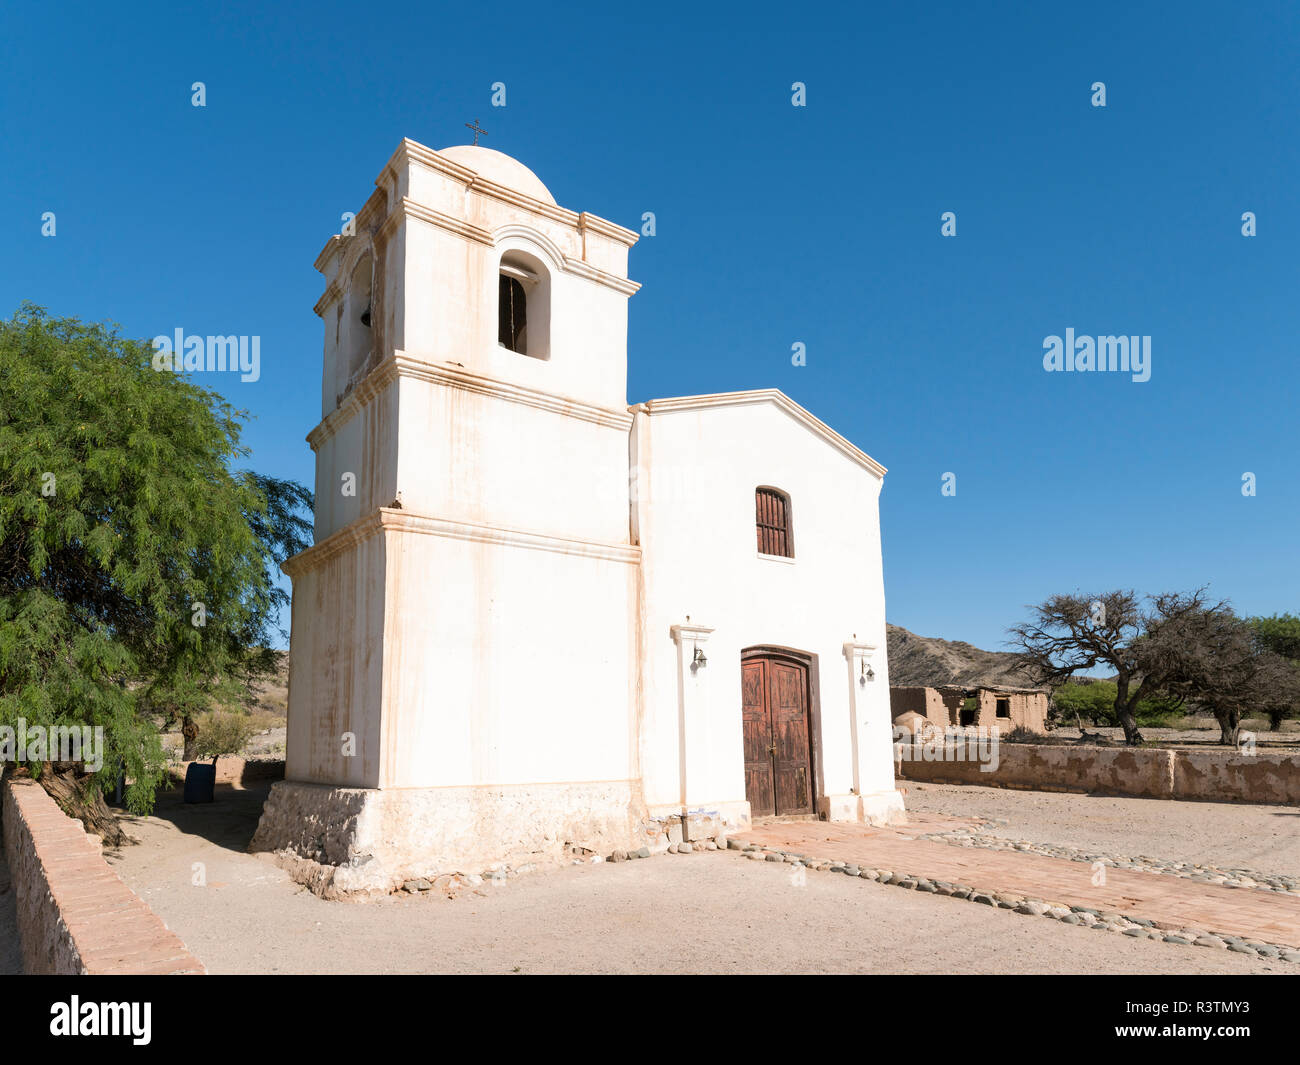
(670, 824)
(349, 841)
(883, 808)
(874, 808)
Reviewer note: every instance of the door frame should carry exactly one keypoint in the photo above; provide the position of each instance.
(809, 661)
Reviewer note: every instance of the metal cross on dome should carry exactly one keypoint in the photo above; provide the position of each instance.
(474, 126)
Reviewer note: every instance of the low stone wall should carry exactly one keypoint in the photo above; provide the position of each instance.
(1231, 777)
(1143, 772)
(74, 915)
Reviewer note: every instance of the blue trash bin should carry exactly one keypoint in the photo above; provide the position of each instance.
(201, 782)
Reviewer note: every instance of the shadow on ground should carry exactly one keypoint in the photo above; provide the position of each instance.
(228, 822)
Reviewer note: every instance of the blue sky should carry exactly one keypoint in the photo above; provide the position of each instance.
(775, 225)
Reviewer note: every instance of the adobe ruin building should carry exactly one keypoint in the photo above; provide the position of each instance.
(994, 708)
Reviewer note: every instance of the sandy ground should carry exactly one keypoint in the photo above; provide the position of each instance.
(1265, 839)
(702, 913)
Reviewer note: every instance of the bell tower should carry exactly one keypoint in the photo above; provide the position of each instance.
(462, 669)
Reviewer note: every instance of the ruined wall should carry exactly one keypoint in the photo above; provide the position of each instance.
(928, 702)
(951, 702)
(1026, 709)
(943, 706)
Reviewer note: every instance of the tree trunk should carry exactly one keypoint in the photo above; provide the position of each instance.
(1229, 726)
(77, 799)
(1128, 720)
(1126, 711)
(190, 733)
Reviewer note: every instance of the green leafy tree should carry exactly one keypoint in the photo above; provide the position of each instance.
(1093, 700)
(1279, 635)
(137, 566)
(1088, 700)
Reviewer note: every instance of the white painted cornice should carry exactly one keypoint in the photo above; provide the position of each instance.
(368, 216)
(694, 633)
(606, 228)
(329, 296)
(400, 364)
(779, 400)
(409, 521)
(366, 389)
(407, 208)
(386, 519)
(457, 377)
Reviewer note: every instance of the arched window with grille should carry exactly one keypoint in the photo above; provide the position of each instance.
(358, 332)
(512, 315)
(772, 517)
(524, 305)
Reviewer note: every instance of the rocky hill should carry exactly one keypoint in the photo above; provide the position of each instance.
(930, 661)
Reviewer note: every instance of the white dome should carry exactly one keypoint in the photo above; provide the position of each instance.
(499, 167)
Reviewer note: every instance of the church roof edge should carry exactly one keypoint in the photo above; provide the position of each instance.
(778, 399)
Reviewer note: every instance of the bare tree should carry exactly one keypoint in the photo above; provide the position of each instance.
(1071, 634)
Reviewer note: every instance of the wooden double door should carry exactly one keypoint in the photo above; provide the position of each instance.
(776, 698)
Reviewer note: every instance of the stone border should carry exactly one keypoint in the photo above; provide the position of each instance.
(1133, 926)
(75, 916)
(1209, 874)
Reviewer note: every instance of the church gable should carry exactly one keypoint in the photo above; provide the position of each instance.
(778, 401)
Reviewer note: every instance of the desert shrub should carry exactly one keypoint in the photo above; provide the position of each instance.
(221, 733)
(1020, 734)
(265, 720)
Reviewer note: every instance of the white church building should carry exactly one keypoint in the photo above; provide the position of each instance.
(539, 622)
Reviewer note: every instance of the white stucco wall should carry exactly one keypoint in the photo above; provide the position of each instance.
(507, 662)
(696, 473)
(475, 457)
(336, 666)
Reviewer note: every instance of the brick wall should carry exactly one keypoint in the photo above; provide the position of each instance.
(74, 914)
